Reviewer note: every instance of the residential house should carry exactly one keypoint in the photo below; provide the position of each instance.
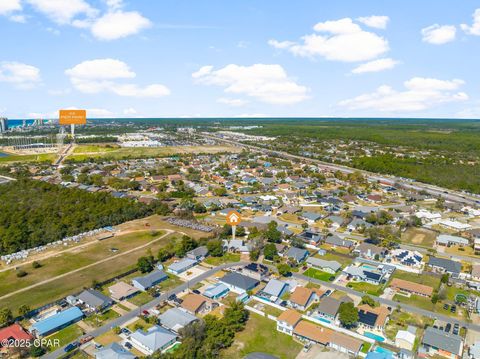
(411, 287)
(407, 258)
(310, 237)
(336, 241)
(310, 217)
(198, 254)
(448, 240)
(328, 308)
(370, 251)
(13, 333)
(443, 265)
(175, 319)
(216, 291)
(405, 339)
(154, 339)
(287, 321)
(181, 266)
(195, 304)
(438, 342)
(372, 318)
(121, 290)
(257, 271)
(56, 322)
(113, 351)
(301, 298)
(238, 283)
(274, 290)
(326, 266)
(94, 300)
(149, 280)
(297, 254)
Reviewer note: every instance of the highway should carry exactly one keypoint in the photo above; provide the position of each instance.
(391, 303)
(396, 181)
(136, 312)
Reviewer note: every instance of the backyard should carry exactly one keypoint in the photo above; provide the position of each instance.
(261, 335)
(318, 274)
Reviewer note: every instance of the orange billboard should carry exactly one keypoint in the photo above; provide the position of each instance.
(72, 117)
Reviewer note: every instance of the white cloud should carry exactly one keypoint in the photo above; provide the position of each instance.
(118, 24)
(375, 21)
(64, 12)
(439, 34)
(376, 66)
(99, 112)
(339, 40)
(130, 111)
(8, 6)
(100, 75)
(18, 18)
(232, 101)
(474, 29)
(266, 83)
(21, 75)
(420, 93)
(114, 4)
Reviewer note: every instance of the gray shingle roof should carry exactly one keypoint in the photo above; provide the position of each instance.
(447, 264)
(151, 278)
(240, 281)
(439, 339)
(94, 298)
(176, 319)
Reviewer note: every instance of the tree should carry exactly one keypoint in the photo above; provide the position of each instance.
(348, 314)
(215, 247)
(272, 233)
(366, 299)
(164, 254)
(186, 244)
(36, 265)
(23, 310)
(145, 264)
(37, 351)
(445, 278)
(270, 251)
(284, 269)
(254, 254)
(6, 317)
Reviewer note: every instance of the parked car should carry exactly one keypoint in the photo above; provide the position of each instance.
(196, 291)
(128, 345)
(446, 306)
(71, 347)
(448, 327)
(453, 309)
(126, 331)
(86, 339)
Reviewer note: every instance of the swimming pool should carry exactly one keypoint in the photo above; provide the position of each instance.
(383, 350)
(378, 338)
(369, 267)
(323, 320)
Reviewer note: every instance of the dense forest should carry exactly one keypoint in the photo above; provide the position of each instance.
(34, 213)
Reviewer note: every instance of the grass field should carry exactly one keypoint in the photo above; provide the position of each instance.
(366, 288)
(416, 301)
(227, 257)
(261, 335)
(66, 335)
(71, 283)
(28, 158)
(67, 262)
(343, 260)
(318, 274)
(419, 237)
(141, 299)
(400, 320)
(84, 152)
(424, 278)
(107, 338)
(97, 320)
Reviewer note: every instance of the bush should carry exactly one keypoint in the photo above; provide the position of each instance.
(36, 265)
(21, 273)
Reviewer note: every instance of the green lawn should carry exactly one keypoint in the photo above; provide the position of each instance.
(67, 262)
(425, 279)
(141, 299)
(344, 261)
(139, 324)
(170, 283)
(261, 335)
(318, 274)
(100, 319)
(369, 288)
(227, 257)
(66, 335)
(416, 301)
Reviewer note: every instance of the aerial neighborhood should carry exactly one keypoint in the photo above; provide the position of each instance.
(318, 260)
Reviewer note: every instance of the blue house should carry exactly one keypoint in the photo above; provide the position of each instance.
(216, 291)
(56, 322)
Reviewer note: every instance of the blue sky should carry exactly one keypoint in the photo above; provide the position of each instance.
(240, 58)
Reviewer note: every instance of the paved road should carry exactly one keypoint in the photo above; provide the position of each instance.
(391, 303)
(406, 184)
(130, 315)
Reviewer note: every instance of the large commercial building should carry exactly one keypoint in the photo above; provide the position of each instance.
(3, 124)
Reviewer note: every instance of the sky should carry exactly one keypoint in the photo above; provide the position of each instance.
(240, 58)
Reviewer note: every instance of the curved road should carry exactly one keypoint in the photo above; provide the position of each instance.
(136, 312)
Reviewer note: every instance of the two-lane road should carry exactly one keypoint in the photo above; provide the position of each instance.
(136, 312)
